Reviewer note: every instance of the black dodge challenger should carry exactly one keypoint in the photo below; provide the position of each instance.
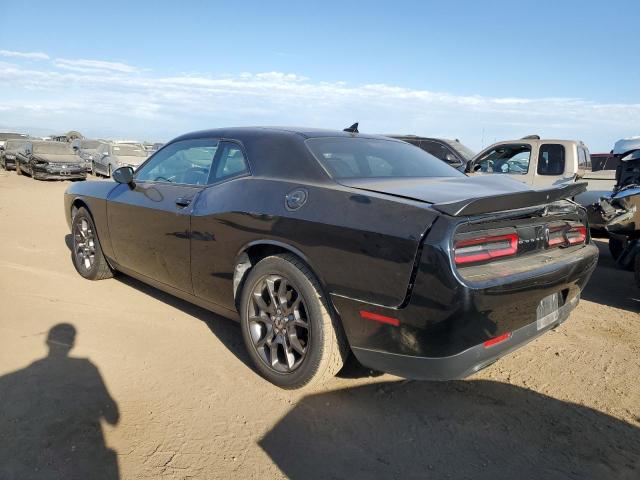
(325, 242)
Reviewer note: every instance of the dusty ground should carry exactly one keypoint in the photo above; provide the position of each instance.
(157, 388)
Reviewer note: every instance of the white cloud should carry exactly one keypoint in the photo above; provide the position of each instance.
(82, 65)
(111, 98)
(25, 55)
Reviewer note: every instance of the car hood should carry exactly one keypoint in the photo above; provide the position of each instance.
(468, 195)
(439, 189)
(57, 158)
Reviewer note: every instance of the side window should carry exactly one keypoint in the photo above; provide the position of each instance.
(584, 159)
(230, 163)
(436, 149)
(513, 159)
(551, 159)
(186, 162)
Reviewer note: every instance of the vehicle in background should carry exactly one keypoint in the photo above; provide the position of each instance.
(49, 160)
(9, 152)
(109, 157)
(621, 213)
(321, 241)
(544, 162)
(604, 161)
(4, 136)
(88, 151)
(450, 151)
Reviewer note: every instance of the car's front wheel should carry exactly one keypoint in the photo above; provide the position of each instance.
(291, 334)
(87, 253)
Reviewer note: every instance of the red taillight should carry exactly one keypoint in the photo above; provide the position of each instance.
(485, 248)
(567, 235)
(497, 340)
(577, 235)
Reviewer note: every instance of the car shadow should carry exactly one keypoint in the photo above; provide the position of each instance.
(51, 413)
(462, 429)
(610, 285)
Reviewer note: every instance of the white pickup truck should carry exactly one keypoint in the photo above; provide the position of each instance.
(543, 163)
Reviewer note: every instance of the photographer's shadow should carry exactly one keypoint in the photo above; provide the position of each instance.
(50, 415)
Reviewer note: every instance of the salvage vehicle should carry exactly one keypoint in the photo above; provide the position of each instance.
(544, 162)
(450, 151)
(322, 242)
(47, 160)
(621, 212)
(8, 153)
(110, 156)
(88, 151)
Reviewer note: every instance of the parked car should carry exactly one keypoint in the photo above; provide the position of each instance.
(621, 212)
(8, 153)
(88, 151)
(320, 241)
(4, 136)
(47, 160)
(450, 151)
(111, 156)
(544, 162)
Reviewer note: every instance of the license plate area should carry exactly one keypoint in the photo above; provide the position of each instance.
(548, 311)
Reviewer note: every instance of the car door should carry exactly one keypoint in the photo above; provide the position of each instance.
(149, 221)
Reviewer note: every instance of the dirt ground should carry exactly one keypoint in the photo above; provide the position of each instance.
(154, 387)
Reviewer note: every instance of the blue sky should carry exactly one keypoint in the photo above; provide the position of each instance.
(478, 71)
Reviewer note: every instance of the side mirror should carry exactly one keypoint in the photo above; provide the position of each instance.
(123, 175)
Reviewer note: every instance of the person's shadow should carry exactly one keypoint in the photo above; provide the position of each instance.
(50, 415)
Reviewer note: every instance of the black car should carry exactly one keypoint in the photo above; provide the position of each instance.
(9, 153)
(324, 242)
(450, 151)
(47, 160)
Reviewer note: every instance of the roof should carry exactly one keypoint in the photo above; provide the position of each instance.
(259, 130)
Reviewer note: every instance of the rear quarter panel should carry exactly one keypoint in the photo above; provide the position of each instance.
(359, 245)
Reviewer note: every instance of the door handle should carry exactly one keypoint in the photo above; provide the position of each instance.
(183, 201)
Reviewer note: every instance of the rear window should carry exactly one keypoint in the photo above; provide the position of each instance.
(551, 159)
(344, 157)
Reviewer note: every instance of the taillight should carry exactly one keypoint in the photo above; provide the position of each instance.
(567, 235)
(484, 248)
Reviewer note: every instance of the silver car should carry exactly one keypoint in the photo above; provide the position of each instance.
(110, 157)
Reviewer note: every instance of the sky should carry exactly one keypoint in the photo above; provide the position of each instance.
(479, 71)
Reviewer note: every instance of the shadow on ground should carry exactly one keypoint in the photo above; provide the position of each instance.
(611, 285)
(464, 429)
(50, 417)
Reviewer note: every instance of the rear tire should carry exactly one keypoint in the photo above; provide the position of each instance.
(292, 336)
(87, 255)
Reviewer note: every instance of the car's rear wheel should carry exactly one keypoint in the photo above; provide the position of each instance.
(291, 334)
(87, 253)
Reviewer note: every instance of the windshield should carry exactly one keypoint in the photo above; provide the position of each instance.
(90, 144)
(463, 150)
(376, 158)
(53, 148)
(13, 144)
(129, 151)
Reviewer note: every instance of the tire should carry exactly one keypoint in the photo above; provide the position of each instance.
(616, 246)
(322, 340)
(86, 253)
(18, 169)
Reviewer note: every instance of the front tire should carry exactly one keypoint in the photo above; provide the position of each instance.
(289, 330)
(87, 255)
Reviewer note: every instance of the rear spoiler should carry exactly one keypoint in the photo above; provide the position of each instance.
(510, 201)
